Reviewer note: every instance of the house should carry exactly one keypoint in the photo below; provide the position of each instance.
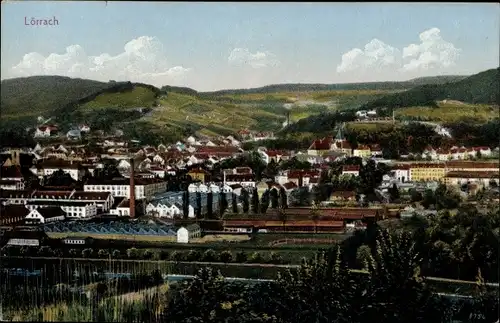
(352, 170)
(343, 196)
(120, 187)
(72, 208)
(12, 214)
(362, 151)
(25, 238)
(79, 241)
(402, 172)
(245, 180)
(319, 147)
(429, 152)
(45, 131)
(186, 234)
(434, 171)
(121, 207)
(481, 178)
(50, 166)
(198, 174)
(84, 128)
(74, 135)
(11, 178)
(45, 215)
(376, 151)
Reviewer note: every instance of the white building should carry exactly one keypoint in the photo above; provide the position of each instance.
(49, 167)
(45, 215)
(144, 187)
(73, 209)
(186, 234)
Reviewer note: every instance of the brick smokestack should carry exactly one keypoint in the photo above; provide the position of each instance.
(132, 189)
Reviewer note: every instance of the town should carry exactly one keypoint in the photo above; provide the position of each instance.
(213, 186)
(249, 163)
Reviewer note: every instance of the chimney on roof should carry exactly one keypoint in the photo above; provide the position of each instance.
(132, 189)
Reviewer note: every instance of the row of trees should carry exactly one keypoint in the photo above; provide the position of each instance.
(324, 290)
(208, 255)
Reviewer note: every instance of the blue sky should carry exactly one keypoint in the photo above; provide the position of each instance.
(210, 46)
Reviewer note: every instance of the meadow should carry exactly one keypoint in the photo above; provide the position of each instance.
(450, 112)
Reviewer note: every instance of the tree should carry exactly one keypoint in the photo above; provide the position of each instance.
(209, 256)
(185, 204)
(108, 171)
(274, 198)
(255, 201)
(87, 253)
(245, 200)
(226, 256)
(283, 216)
(264, 202)
(198, 205)
(315, 215)
(210, 201)
(222, 203)
(394, 193)
(283, 198)
(102, 253)
(241, 257)
(58, 178)
(234, 203)
(132, 253)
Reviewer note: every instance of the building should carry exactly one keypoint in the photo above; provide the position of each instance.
(50, 166)
(12, 214)
(45, 131)
(319, 147)
(422, 172)
(198, 174)
(362, 151)
(26, 238)
(79, 241)
(481, 178)
(45, 215)
(11, 178)
(121, 207)
(186, 234)
(402, 172)
(74, 209)
(144, 188)
(352, 170)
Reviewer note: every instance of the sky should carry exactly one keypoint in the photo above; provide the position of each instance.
(213, 46)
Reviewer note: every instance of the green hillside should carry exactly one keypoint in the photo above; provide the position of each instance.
(299, 87)
(480, 88)
(37, 95)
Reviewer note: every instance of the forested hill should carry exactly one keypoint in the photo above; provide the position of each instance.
(47, 94)
(305, 87)
(483, 87)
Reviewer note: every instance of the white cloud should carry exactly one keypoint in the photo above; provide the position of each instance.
(143, 60)
(376, 55)
(242, 56)
(433, 53)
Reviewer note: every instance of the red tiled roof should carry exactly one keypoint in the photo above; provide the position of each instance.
(350, 168)
(321, 144)
(469, 174)
(11, 172)
(289, 185)
(471, 164)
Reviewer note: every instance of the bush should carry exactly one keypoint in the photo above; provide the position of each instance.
(241, 257)
(226, 256)
(147, 254)
(132, 253)
(162, 255)
(255, 257)
(116, 254)
(209, 256)
(176, 256)
(275, 258)
(193, 255)
(87, 253)
(102, 253)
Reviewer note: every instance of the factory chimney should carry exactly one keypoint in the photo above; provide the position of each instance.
(132, 189)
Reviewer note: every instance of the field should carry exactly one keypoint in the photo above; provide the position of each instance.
(370, 126)
(451, 112)
(138, 97)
